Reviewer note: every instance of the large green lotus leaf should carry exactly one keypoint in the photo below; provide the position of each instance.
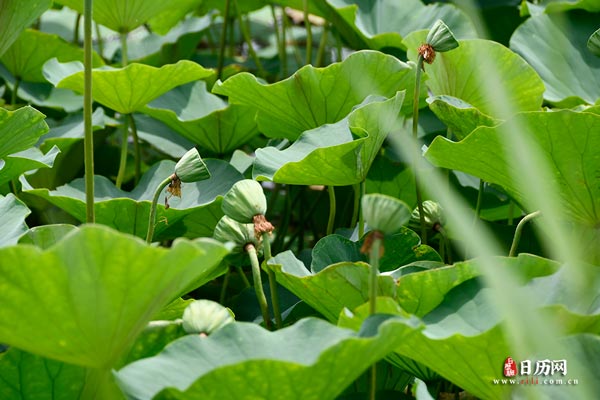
(16, 164)
(337, 154)
(316, 96)
(167, 19)
(13, 212)
(26, 376)
(104, 285)
(204, 118)
(26, 57)
(340, 285)
(556, 46)
(122, 15)
(462, 118)
(195, 214)
(462, 337)
(16, 15)
(377, 24)
(129, 89)
(567, 139)
(401, 248)
(159, 135)
(393, 179)
(20, 129)
(243, 361)
(458, 73)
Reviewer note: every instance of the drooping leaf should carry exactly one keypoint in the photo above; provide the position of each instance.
(462, 118)
(27, 160)
(204, 118)
(122, 16)
(45, 236)
(30, 377)
(243, 360)
(338, 154)
(461, 73)
(26, 57)
(13, 212)
(567, 140)
(195, 214)
(129, 89)
(104, 285)
(20, 129)
(316, 96)
(16, 15)
(555, 45)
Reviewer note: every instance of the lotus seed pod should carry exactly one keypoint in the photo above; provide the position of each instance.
(441, 38)
(229, 230)
(191, 168)
(206, 316)
(385, 213)
(244, 200)
(433, 215)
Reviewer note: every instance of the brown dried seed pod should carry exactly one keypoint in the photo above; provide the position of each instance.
(261, 225)
(175, 186)
(368, 243)
(427, 52)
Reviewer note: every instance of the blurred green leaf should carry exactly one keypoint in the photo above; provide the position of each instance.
(16, 15)
(20, 129)
(13, 212)
(45, 236)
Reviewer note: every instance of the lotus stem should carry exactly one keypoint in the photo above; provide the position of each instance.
(123, 157)
(248, 39)
(152, 217)
(99, 40)
(519, 231)
(279, 39)
(223, 293)
(136, 149)
(284, 26)
(223, 40)
(479, 199)
(331, 221)
(258, 289)
(361, 218)
(13, 96)
(88, 133)
(322, 45)
(356, 207)
(243, 276)
(76, 29)
(309, 39)
(415, 128)
(272, 281)
(124, 60)
(373, 274)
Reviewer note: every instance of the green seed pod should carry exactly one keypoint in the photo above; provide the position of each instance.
(244, 200)
(593, 43)
(441, 38)
(433, 213)
(191, 168)
(206, 316)
(229, 230)
(385, 213)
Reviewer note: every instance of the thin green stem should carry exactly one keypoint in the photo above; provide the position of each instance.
(519, 231)
(415, 128)
(309, 38)
(338, 47)
(331, 221)
(356, 207)
(136, 149)
(99, 41)
(14, 97)
(322, 46)
(373, 274)
(76, 29)
(272, 281)
(243, 276)
(511, 212)
(223, 40)
(223, 293)
(479, 199)
(258, 289)
(88, 133)
(361, 218)
(124, 56)
(248, 39)
(153, 206)
(280, 45)
(123, 158)
(284, 25)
